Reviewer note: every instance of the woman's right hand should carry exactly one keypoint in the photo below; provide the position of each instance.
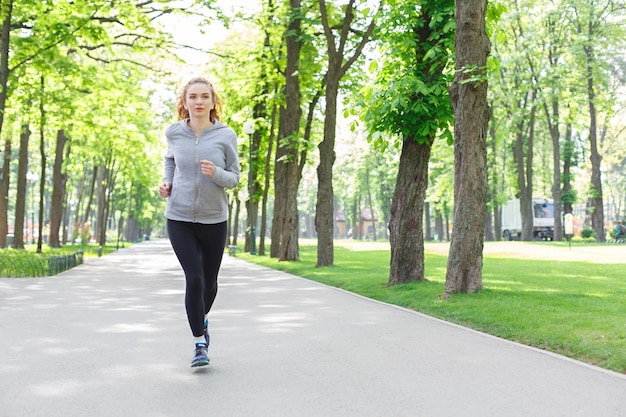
(165, 189)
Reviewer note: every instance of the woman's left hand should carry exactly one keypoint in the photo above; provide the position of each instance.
(207, 168)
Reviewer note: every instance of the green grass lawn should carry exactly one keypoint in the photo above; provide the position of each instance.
(577, 309)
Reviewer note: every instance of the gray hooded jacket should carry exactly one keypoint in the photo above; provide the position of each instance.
(193, 196)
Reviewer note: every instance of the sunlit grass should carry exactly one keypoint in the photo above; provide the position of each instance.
(577, 309)
(90, 250)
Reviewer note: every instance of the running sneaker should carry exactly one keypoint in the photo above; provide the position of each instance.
(206, 332)
(200, 357)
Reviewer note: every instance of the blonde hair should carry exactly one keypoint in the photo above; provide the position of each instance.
(183, 113)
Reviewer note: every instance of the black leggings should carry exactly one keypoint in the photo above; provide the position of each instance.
(199, 248)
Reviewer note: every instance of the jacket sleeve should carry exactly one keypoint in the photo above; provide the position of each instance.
(228, 177)
(169, 164)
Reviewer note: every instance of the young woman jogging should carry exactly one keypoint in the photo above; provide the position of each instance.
(200, 163)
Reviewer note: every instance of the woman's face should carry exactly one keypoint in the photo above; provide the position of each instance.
(199, 100)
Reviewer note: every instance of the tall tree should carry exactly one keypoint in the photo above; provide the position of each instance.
(284, 244)
(468, 93)
(517, 95)
(493, 220)
(44, 162)
(20, 204)
(5, 176)
(551, 103)
(343, 51)
(269, 110)
(523, 155)
(568, 193)
(595, 25)
(59, 179)
(409, 100)
(6, 9)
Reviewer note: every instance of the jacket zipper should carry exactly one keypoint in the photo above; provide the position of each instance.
(196, 191)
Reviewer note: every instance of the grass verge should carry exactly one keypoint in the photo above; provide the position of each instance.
(25, 263)
(576, 309)
(90, 250)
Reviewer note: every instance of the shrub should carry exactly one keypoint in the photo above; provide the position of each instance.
(588, 232)
(580, 239)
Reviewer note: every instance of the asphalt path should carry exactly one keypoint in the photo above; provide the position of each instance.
(110, 338)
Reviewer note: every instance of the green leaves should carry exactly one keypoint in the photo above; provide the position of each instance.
(410, 94)
(89, 63)
(473, 74)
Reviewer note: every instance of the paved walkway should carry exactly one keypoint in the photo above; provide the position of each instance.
(110, 338)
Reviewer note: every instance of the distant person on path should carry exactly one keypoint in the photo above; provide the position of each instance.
(200, 163)
(620, 231)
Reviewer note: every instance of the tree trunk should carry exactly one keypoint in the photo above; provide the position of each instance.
(120, 229)
(597, 206)
(338, 65)
(6, 10)
(493, 184)
(5, 177)
(280, 198)
(289, 249)
(236, 225)
(65, 219)
(407, 214)
(528, 221)
(369, 199)
(525, 197)
(471, 117)
(266, 184)
(44, 165)
(42, 198)
(258, 113)
(260, 110)
(438, 225)
(58, 191)
(523, 153)
(20, 203)
(355, 218)
(489, 236)
(286, 173)
(428, 234)
(497, 219)
(324, 208)
(492, 199)
(551, 109)
(94, 176)
(132, 230)
(108, 173)
(567, 194)
(101, 186)
(447, 218)
(124, 228)
(556, 179)
(231, 238)
(80, 195)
